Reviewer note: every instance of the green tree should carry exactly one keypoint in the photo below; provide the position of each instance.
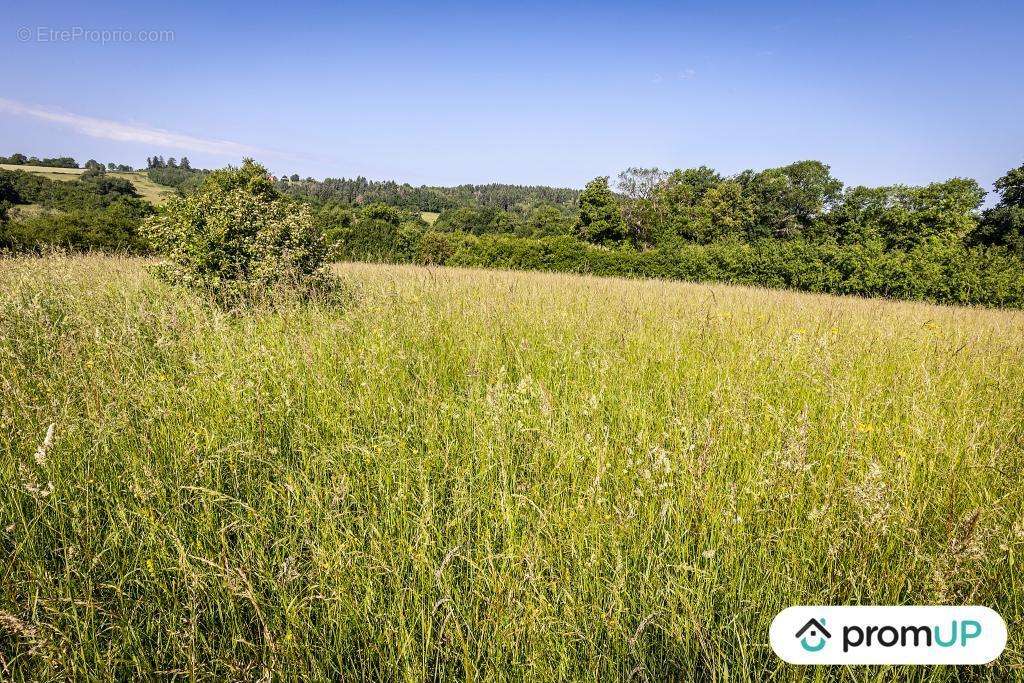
(1011, 187)
(382, 212)
(93, 173)
(599, 220)
(8, 192)
(1003, 224)
(476, 220)
(789, 199)
(546, 220)
(813, 190)
(680, 194)
(947, 209)
(903, 216)
(642, 207)
(724, 212)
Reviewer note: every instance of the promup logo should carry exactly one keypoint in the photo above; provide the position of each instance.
(888, 635)
(817, 630)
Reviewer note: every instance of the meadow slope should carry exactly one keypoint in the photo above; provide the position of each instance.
(152, 192)
(485, 474)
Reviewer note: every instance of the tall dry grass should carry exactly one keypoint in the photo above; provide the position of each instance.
(489, 475)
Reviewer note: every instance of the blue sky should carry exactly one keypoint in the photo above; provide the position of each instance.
(552, 93)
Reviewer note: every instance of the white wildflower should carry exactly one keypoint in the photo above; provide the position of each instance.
(44, 448)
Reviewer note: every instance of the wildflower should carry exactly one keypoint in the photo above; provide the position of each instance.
(44, 448)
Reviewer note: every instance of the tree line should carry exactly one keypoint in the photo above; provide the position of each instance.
(19, 159)
(158, 161)
(793, 226)
(174, 173)
(800, 201)
(360, 191)
(647, 208)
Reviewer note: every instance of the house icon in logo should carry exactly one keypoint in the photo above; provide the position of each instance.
(815, 629)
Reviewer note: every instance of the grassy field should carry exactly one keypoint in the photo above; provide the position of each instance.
(51, 172)
(490, 475)
(150, 191)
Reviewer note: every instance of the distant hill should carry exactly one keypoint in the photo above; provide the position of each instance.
(147, 189)
(73, 209)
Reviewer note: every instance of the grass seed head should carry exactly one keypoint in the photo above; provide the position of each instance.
(44, 447)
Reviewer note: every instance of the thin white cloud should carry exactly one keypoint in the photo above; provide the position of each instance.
(127, 132)
(687, 74)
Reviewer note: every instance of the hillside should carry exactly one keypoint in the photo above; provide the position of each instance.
(483, 474)
(150, 191)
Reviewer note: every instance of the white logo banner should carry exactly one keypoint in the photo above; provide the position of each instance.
(888, 635)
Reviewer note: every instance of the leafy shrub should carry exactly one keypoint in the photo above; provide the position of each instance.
(477, 220)
(1003, 224)
(434, 248)
(375, 233)
(103, 184)
(382, 212)
(369, 240)
(237, 237)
